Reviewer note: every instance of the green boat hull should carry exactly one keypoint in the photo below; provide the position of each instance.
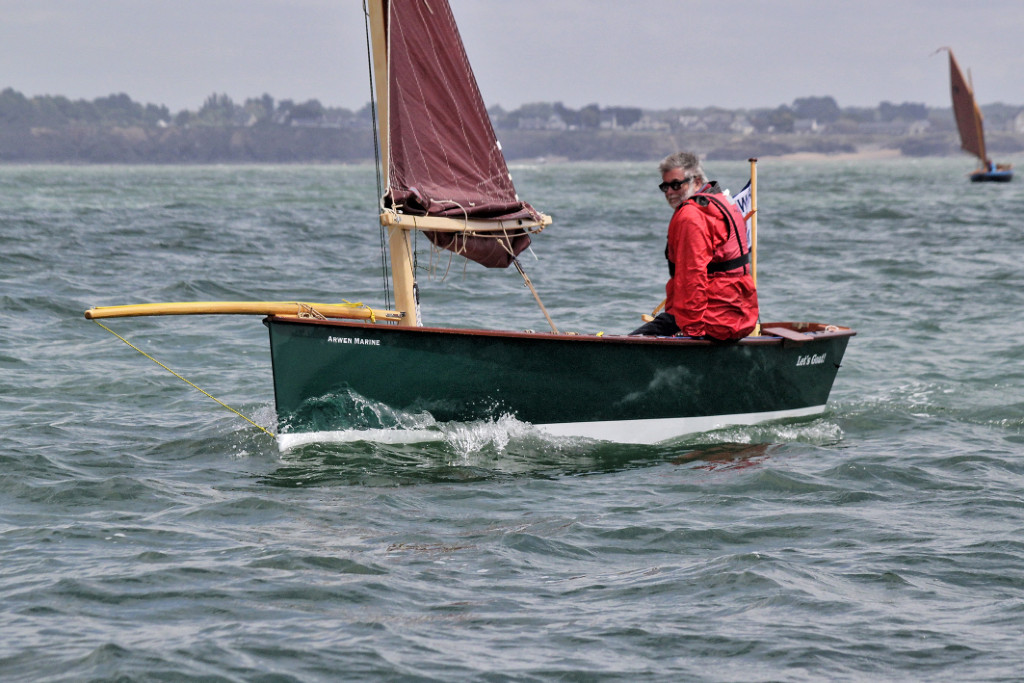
(331, 376)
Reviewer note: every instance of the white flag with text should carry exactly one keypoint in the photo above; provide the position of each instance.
(743, 200)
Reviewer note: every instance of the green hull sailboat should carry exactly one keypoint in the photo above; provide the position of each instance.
(442, 173)
(625, 389)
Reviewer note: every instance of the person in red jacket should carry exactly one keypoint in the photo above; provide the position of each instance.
(710, 292)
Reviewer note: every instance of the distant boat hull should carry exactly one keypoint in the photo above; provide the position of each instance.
(992, 176)
(624, 389)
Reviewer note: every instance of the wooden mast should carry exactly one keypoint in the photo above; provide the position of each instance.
(399, 242)
(753, 220)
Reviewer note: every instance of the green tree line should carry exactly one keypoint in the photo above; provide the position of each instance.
(117, 129)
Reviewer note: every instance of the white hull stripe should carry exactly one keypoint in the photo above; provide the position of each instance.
(655, 430)
(620, 431)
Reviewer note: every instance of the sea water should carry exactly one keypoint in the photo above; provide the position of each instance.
(147, 533)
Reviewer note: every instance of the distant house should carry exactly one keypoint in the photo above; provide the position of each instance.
(720, 122)
(884, 127)
(648, 123)
(806, 126)
(692, 123)
(919, 127)
(741, 125)
(311, 122)
(553, 122)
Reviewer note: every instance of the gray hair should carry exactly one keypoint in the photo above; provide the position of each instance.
(687, 161)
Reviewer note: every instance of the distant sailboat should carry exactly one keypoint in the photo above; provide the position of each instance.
(972, 132)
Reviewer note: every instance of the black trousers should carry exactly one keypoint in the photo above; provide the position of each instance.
(662, 326)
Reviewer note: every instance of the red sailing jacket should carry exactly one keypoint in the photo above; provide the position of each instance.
(710, 291)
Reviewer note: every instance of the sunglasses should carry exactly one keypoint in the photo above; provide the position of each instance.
(676, 185)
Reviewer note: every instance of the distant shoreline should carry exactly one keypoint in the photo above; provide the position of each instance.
(116, 130)
(867, 154)
(315, 149)
(880, 155)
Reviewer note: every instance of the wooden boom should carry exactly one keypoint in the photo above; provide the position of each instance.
(345, 310)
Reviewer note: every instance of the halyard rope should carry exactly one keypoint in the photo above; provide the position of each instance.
(183, 379)
(377, 156)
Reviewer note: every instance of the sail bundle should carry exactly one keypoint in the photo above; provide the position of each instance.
(444, 159)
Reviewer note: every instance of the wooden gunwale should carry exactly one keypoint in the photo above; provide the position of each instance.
(808, 331)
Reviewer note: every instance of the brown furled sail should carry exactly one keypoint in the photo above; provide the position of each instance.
(444, 158)
(965, 109)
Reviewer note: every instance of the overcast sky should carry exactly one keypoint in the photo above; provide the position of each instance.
(655, 54)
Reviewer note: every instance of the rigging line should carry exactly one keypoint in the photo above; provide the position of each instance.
(536, 296)
(183, 379)
(376, 155)
(415, 254)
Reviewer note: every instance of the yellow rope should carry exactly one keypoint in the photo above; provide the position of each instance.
(360, 304)
(182, 378)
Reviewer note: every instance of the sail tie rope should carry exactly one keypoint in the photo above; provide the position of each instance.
(357, 304)
(307, 311)
(217, 400)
